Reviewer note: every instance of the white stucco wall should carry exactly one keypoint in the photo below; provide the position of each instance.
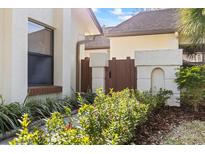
(122, 47)
(167, 60)
(68, 29)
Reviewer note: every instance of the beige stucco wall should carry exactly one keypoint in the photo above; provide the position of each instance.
(88, 52)
(77, 32)
(122, 47)
(68, 29)
(14, 63)
(1, 48)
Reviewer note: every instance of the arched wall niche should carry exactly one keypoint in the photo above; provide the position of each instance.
(157, 79)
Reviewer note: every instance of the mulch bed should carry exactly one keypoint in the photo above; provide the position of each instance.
(162, 122)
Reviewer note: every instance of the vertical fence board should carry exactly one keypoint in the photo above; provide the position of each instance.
(86, 75)
(120, 74)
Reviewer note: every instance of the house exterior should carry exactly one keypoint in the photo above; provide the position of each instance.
(41, 51)
(149, 30)
(38, 50)
(151, 38)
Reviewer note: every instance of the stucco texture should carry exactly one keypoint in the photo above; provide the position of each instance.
(148, 79)
(122, 47)
(69, 26)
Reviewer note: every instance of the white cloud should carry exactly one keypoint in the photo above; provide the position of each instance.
(117, 11)
(95, 9)
(125, 17)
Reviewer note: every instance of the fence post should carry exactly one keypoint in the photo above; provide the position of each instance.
(98, 62)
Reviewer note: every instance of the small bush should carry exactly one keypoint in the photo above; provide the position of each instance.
(191, 82)
(111, 119)
(155, 101)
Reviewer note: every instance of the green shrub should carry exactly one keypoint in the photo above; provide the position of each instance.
(154, 101)
(191, 81)
(57, 133)
(111, 119)
(73, 101)
(37, 109)
(88, 97)
(9, 115)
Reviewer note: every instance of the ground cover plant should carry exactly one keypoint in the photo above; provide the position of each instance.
(111, 119)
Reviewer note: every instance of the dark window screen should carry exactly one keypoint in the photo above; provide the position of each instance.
(40, 55)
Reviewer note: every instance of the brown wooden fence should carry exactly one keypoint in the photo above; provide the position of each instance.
(120, 74)
(86, 75)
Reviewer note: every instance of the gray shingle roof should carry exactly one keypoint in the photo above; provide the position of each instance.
(144, 23)
(147, 23)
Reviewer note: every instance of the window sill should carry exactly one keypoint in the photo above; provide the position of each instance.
(42, 90)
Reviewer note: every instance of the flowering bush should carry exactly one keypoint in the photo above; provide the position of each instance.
(112, 119)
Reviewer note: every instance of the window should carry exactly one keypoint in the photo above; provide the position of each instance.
(40, 55)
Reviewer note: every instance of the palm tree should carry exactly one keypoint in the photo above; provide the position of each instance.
(192, 25)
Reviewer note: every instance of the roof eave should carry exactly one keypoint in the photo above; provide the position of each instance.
(168, 31)
(93, 17)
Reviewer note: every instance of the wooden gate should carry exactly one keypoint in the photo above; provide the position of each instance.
(120, 74)
(86, 75)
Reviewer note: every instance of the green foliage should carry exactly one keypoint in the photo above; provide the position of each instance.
(9, 115)
(154, 101)
(26, 137)
(112, 119)
(191, 81)
(88, 97)
(38, 109)
(192, 25)
(57, 133)
(73, 101)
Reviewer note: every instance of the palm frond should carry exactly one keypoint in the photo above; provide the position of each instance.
(192, 25)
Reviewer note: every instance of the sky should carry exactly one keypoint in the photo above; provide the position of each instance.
(114, 16)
